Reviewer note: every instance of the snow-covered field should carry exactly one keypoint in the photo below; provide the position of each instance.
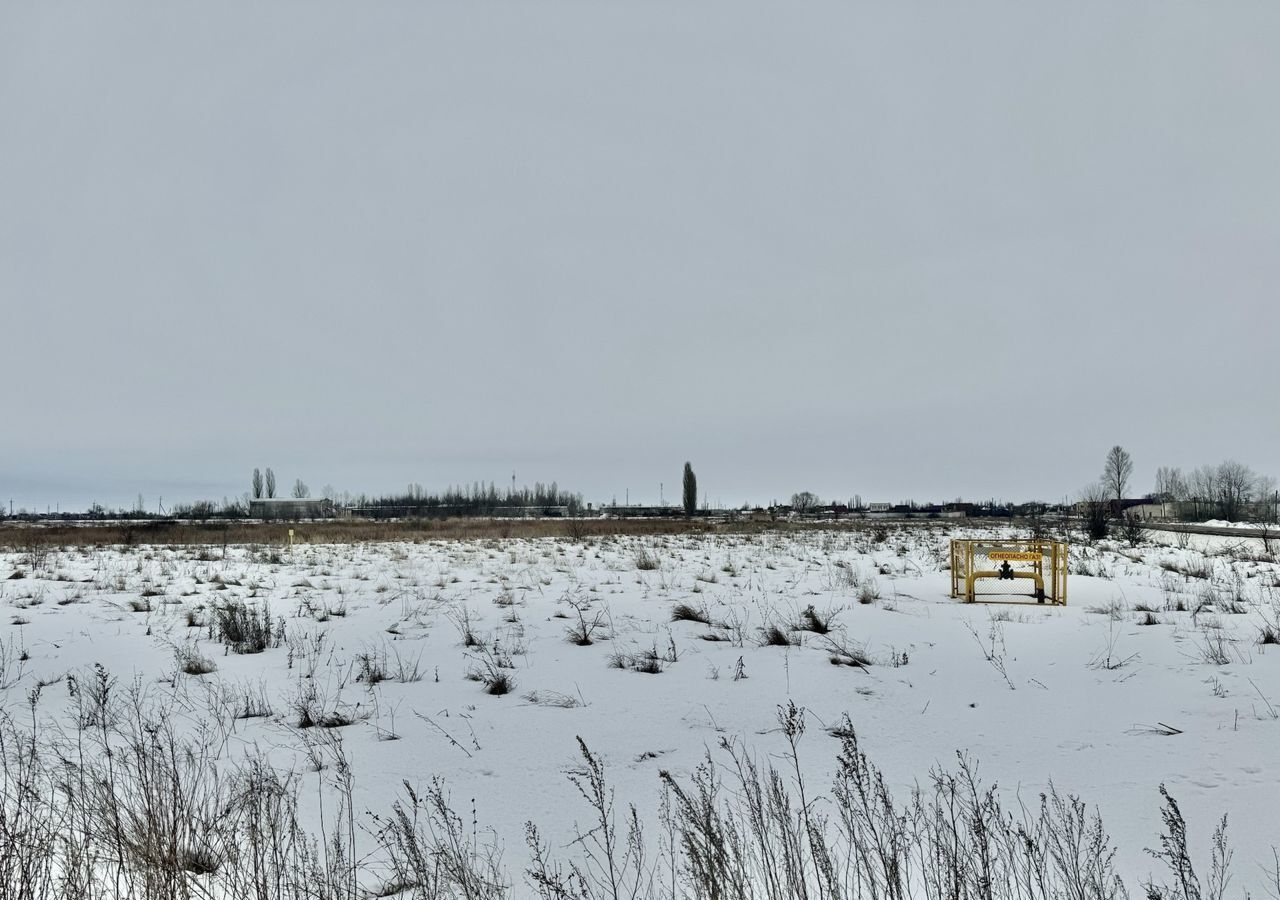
(1154, 673)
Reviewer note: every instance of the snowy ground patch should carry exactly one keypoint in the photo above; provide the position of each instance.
(366, 667)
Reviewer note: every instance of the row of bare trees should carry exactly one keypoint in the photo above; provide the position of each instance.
(1230, 490)
(475, 500)
(265, 486)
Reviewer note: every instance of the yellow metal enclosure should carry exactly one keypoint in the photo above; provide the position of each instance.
(1041, 562)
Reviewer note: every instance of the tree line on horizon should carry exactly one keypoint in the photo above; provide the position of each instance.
(477, 499)
(1229, 490)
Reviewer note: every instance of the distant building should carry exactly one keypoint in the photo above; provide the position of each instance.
(879, 507)
(1144, 508)
(290, 508)
(642, 512)
(1139, 507)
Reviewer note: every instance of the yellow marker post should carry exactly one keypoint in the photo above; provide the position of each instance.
(290, 538)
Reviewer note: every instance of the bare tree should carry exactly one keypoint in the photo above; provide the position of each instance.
(690, 490)
(1116, 472)
(1268, 500)
(1236, 484)
(804, 501)
(300, 490)
(257, 484)
(1172, 490)
(1161, 491)
(271, 482)
(1171, 485)
(1202, 491)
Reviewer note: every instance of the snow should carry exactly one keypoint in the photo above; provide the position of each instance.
(1087, 685)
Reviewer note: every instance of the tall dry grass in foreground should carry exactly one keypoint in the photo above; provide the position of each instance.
(121, 803)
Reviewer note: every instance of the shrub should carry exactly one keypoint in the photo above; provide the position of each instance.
(461, 618)
(377, 665)
(251, 703)
(499, 683)
(683, 612)
(492, 668)
(192, 662)
(844, 654)
(811, 621)
(582, 633)
(1214, 648)
(246, 630)
(648, 662)
(579, 635)
(433, 852)
(773, 636)
(311, 710)
(373, 668)
(1132, 529)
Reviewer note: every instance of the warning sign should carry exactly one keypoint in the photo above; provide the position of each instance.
(1014, 555)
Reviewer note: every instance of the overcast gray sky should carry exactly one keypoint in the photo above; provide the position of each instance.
(895, 249)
